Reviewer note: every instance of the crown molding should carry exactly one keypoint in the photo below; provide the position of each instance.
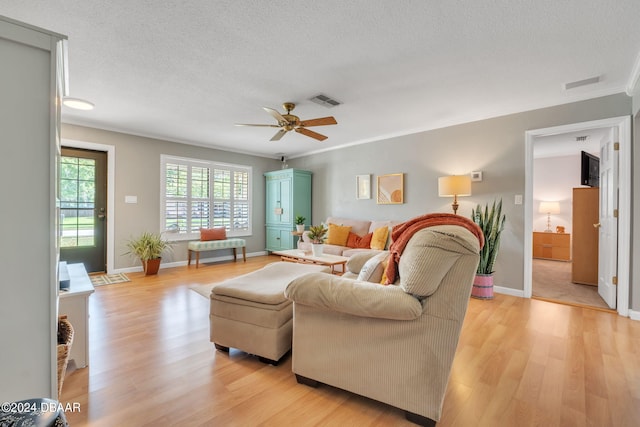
(633, 86)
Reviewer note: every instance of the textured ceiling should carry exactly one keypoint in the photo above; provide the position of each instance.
(186, 71)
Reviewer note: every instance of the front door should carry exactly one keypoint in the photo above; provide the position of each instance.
(83, 208)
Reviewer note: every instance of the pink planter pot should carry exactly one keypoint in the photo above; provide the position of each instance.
(482, 286)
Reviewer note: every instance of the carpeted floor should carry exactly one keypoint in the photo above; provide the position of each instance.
(108, 279)
(552, 280)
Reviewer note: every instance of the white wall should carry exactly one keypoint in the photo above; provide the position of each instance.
(553, 181)
(494, 146)
(28, 288)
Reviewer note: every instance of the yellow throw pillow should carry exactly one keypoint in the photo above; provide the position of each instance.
(379, 239)
(338, 235)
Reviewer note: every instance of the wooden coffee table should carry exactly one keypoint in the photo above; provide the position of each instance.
(296, 255)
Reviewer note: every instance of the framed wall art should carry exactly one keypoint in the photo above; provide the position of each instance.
(390, 189)
(363, 186)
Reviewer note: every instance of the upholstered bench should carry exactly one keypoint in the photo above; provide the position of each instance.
(251, 313)
(212, 245)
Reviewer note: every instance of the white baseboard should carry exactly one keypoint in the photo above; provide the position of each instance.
(183, 263)
(508, 291)
(634, 315)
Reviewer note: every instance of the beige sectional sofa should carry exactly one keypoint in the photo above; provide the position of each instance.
(361, 227)
(394, 344)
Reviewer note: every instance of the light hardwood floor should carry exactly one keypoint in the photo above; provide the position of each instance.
(519, 362)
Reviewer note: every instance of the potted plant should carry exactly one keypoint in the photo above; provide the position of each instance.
(148, 247)
(317, 234)
(491, 222)
(300, 223)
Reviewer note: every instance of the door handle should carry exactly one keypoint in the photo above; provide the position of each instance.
(598, 225)
(102, 216)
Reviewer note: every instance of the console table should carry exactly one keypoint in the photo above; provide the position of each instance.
(75, 304)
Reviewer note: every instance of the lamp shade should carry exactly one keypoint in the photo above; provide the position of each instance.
(454, 185)
(549, 207)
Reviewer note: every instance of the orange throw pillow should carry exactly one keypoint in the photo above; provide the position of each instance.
(338, 235)
(218, 233)
(355, 241)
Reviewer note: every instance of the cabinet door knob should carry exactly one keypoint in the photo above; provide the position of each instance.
(598, 225)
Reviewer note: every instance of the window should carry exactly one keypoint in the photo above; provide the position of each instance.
(77, 201)
(203, 194)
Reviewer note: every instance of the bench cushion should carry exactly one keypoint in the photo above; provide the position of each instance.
(216, 244)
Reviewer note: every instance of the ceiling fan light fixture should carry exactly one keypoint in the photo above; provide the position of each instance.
(288, 122)
(77, 103)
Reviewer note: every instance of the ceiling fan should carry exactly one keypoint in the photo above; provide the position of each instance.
(288, 122)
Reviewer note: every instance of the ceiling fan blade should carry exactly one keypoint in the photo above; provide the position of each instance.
(323, 121)
(246, 124)
(275, 114)
(311, 134)
(278, 135)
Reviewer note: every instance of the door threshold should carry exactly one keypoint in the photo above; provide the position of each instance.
(575, 304)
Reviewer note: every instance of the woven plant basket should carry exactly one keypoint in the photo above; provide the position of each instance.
(65, 339)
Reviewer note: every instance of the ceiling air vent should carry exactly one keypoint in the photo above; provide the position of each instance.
(325, 100)
(581, 138)
(589, 81)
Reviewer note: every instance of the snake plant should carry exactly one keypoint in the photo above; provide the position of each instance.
(491, 222)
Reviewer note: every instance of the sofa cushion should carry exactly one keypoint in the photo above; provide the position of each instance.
(333, 249)
(359, 227)
(338, 234)
(358, 260)
(355, 241)
(428, 257)
(349, 252)
(372, 270)
(379, 239)
(377, 224)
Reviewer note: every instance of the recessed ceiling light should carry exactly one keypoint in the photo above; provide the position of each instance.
(77, 103)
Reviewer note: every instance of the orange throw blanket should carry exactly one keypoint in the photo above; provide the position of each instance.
(402, 233)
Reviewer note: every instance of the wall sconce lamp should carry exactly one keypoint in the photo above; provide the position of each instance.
(549, 208)
(454, 186)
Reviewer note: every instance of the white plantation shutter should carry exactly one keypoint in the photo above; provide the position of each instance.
(202, 194)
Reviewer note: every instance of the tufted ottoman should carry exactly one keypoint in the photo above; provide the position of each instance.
(251, 313)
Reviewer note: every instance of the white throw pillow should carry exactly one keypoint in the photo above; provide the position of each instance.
(372, 270)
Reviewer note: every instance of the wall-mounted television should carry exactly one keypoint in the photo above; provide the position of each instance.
(590, 170)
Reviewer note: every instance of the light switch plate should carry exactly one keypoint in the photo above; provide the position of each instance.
(131, 199)
(518, 199)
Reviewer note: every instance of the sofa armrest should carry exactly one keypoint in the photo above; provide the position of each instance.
(364, 299)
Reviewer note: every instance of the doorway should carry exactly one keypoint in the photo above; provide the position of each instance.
(565, 242)
(622, 126)
(83, 208)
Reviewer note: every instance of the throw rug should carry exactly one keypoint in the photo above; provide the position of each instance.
(108, 279)
(204, 290)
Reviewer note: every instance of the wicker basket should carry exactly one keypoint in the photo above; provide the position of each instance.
(65, 339)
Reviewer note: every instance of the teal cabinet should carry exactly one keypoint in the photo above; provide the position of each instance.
(288, 195)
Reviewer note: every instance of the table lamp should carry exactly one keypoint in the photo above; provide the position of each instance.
(454, 186)
(549, 208)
